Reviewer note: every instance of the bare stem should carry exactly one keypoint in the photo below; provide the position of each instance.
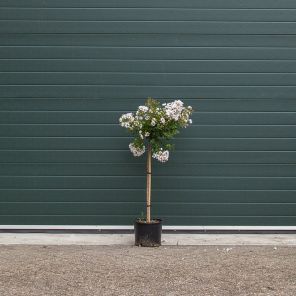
(148, 185)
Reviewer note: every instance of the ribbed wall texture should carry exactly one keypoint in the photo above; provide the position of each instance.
(69, 68)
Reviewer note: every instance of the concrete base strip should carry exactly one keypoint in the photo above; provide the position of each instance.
(167, 239)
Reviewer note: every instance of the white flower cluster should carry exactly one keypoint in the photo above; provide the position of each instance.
(161, 155)
(143, 109)
(136, 151)
(174, 109)
(155, 124)
(144, 135)
(177, 112)
(126, 120)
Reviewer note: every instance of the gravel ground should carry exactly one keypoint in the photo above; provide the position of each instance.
(124, 270)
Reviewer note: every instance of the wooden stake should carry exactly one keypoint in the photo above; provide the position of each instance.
(148, 185)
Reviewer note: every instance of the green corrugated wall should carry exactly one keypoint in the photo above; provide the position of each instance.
(69, 68)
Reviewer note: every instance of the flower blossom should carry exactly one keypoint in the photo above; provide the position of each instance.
(174, 109)
(154, 124)
(142, 109)
(161, 155)
(126, 120)
(136, 151)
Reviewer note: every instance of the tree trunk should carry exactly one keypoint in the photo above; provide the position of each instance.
(148, 185)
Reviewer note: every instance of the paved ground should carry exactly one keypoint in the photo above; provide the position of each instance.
(128, 270)
(168, 239)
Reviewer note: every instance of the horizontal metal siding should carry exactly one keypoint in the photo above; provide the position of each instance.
(210, 4)
(69, 68)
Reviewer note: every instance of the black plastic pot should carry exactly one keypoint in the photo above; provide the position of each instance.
(148, 234)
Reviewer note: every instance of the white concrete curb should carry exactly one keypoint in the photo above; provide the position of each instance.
(168, 239)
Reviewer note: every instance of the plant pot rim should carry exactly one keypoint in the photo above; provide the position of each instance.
(153, 221)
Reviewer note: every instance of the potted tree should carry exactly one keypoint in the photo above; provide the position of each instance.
(152, 126)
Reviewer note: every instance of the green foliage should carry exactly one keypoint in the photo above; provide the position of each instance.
(156, 124)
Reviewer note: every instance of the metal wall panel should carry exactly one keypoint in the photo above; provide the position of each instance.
(69, 68)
